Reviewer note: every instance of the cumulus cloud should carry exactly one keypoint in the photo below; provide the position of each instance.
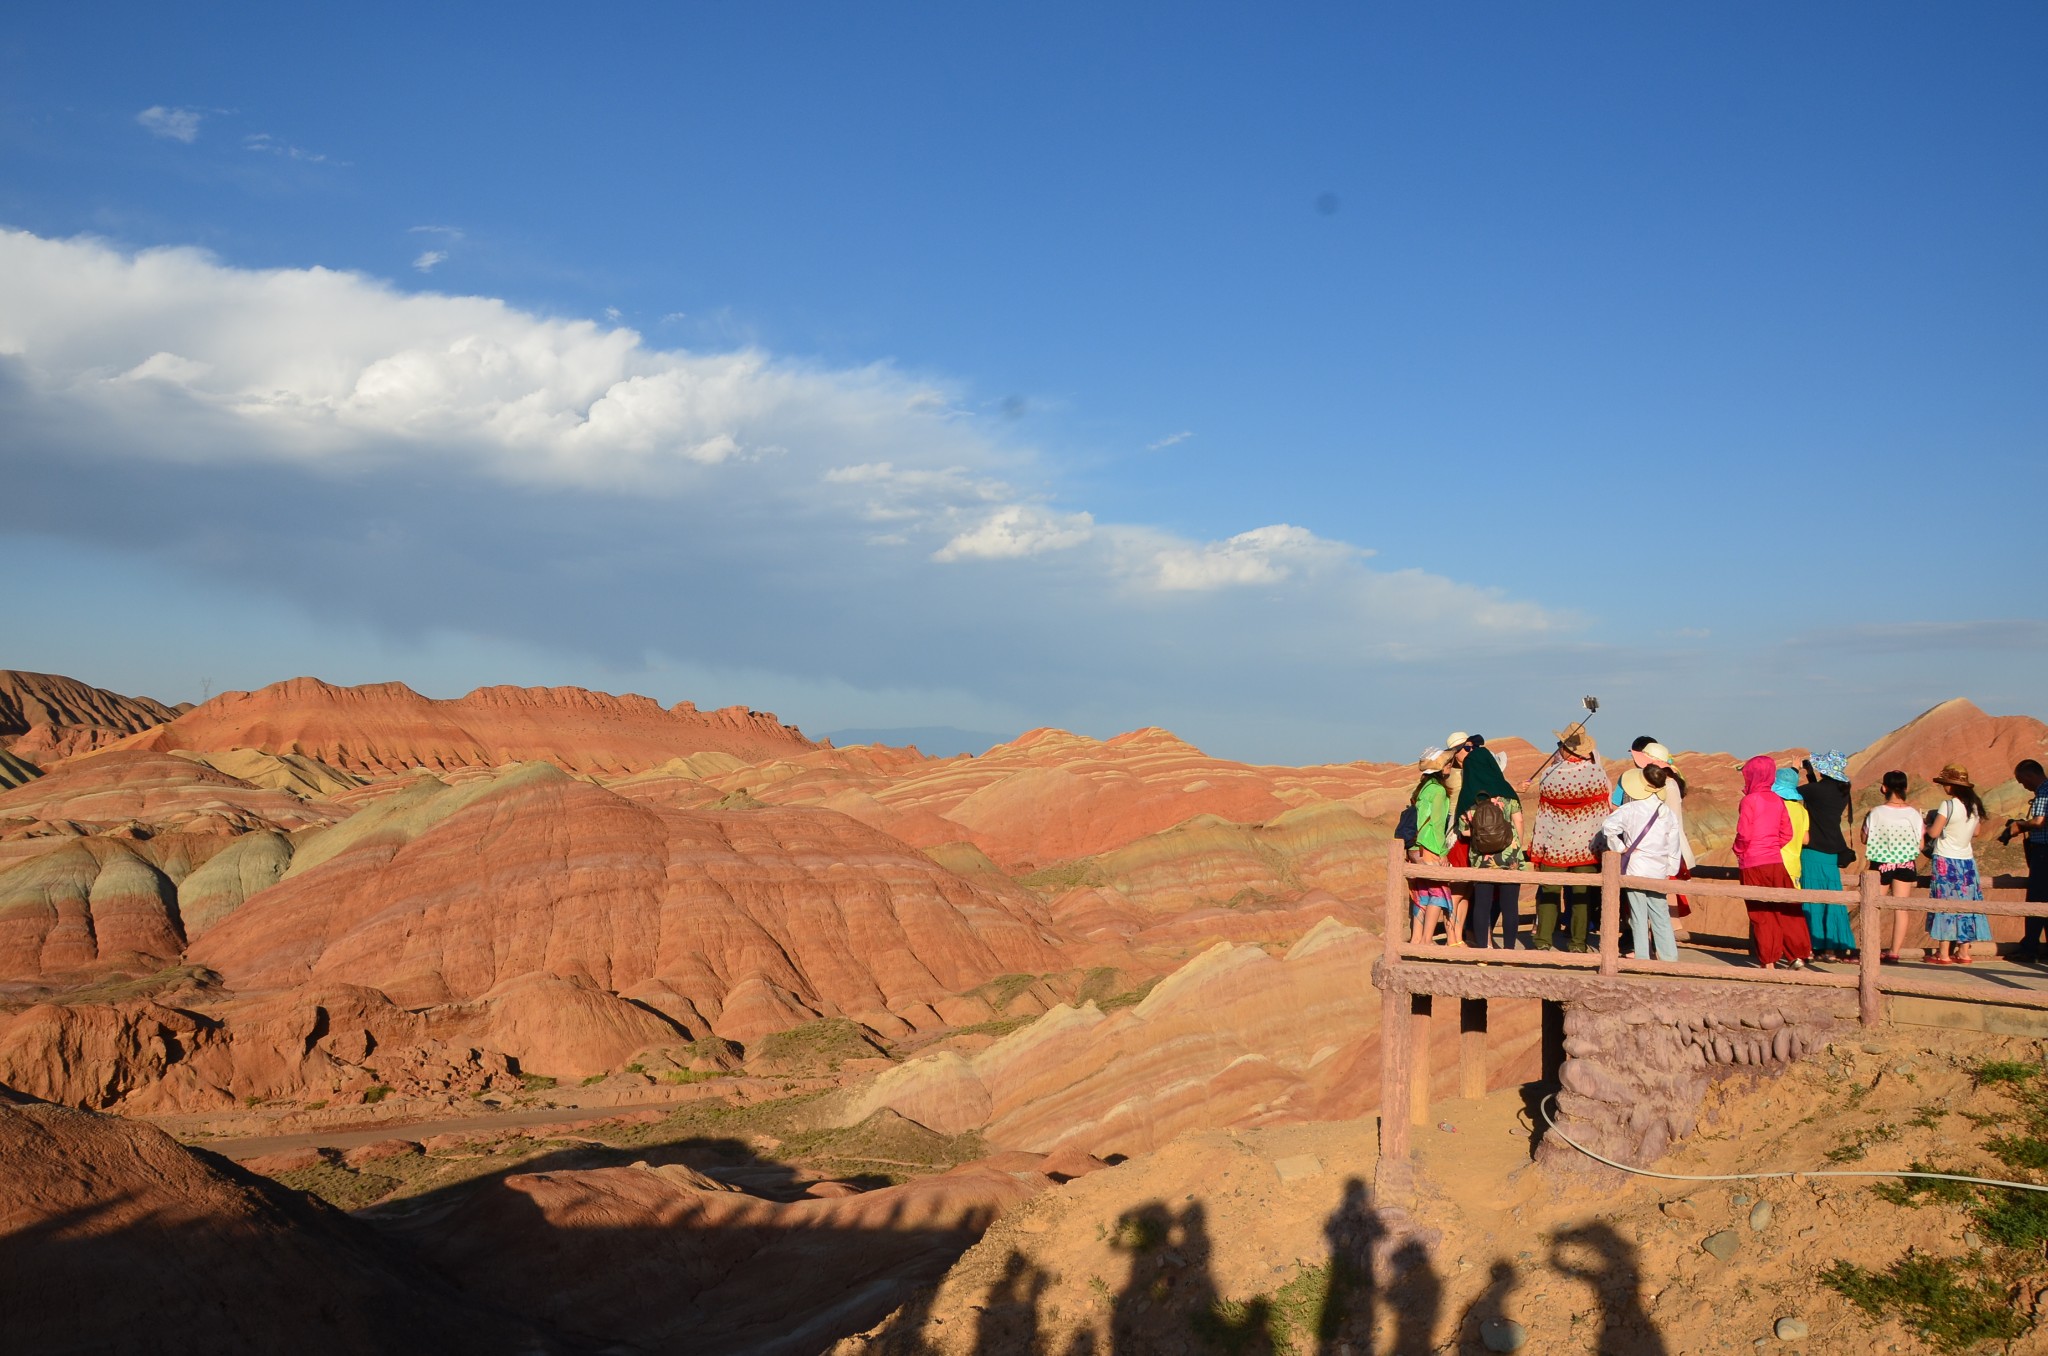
(265, 142)
(418, 460)
(172, 124)
(1018, 530)
(1264, 555)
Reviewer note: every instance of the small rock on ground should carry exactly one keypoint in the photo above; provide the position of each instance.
(1502, 1334)
(1791, 1329)
(1760, 1216)
(1723, 1245)
(1682, 1208)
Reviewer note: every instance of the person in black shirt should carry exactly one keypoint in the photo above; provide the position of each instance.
(1826, 793)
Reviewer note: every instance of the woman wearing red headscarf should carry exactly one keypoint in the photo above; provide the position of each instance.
(1762, 829)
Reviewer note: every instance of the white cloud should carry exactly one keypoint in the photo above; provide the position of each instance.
(1169, 440)
(428, 259)
(564, 481)
(613, 314)
(1264, 555)
(1018, 530)
(263, 141)
(172, 124)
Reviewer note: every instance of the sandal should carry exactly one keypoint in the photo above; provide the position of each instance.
(1939, 960)
(1888, 958)
(1959, 960)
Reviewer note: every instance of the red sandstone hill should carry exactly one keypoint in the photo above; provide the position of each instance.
(45, 716)
(737, 922)
(387, 727)
(1956, 731)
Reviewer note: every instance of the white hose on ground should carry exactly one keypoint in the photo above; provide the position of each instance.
(1544, 1107)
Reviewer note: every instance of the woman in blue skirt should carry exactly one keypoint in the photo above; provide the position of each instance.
(1955, 823)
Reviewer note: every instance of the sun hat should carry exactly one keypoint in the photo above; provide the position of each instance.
(1636, 786)
(1834, 763)
(1455, 738)
(1656, 753)
(1433, 759)
(1786, 784)
(1574, 740)
(1952, 774)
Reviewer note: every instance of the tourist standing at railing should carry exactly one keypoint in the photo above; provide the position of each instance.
(1956, 822)
(1496, 838)
(1786, 785)
(1432, 806)
(1891, 847)
(1458, 747)
(1826, 793)
(1762, 829)
(1572, 799)
(1647, 836)
(2034, 826)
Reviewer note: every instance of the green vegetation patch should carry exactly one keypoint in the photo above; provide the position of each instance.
(1065, 876)
(341, 1187)
(1001, 991)
(1130, 998)
(1955, 1305)
(815, 1047)
(1961, 1303)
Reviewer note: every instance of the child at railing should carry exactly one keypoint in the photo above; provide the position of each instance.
(1891, 847)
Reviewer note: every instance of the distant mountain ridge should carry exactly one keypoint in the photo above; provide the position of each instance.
(934, 741)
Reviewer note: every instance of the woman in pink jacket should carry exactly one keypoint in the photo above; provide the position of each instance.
(1762, 829)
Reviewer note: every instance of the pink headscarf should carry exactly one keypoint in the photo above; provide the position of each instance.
(1762, 826)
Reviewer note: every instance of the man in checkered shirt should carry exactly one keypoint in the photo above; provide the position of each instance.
(2035, 826)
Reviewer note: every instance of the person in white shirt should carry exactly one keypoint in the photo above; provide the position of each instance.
(1652, 844)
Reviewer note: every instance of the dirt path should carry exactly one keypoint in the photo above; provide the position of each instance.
(349, 1137)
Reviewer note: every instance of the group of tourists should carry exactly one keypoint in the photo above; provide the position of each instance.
(1790, 834)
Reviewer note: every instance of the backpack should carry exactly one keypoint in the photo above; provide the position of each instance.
(1407, 830)
(1490, 833)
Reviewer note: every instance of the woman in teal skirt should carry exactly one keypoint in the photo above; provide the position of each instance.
(1826, 794)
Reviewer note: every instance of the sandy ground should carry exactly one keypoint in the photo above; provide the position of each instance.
(1199, 1246)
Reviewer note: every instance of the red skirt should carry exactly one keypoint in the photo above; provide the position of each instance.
(1460, 854)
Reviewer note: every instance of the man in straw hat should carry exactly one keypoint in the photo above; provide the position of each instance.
(1572, 800)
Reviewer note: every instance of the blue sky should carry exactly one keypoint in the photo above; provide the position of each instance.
(1309, 383)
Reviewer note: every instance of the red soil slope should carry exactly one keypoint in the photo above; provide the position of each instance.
(91, 1205)
(740, 922)
(387, 727)
(45, 716)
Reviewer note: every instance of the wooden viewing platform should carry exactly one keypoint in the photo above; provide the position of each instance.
(1410, 975)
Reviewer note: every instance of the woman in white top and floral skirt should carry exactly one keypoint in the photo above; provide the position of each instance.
(1955, 868)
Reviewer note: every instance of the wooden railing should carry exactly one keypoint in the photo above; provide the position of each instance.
(1867, 904)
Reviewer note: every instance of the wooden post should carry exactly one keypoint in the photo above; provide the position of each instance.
(1870, 927)
(1395, 1094)
(1471, 1048)
(1396, 915)
(1610, 913)
(1419, 1031)
(1396, 1047)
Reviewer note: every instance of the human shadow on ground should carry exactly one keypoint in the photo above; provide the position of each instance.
(1604, 1260)
(1377, 1292)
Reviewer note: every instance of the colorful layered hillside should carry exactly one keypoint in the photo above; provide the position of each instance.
(45, 716)
(737, 922)
(1955, 732)
(382, 728)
